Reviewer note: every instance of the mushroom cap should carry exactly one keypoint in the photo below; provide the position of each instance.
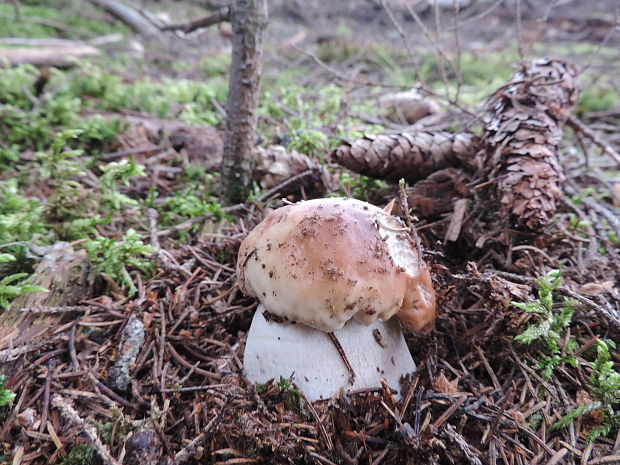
(324, 261)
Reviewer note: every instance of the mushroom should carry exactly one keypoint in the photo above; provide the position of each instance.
(338, 266)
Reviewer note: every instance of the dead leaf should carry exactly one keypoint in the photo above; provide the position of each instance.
(443, 386)
(596, 288)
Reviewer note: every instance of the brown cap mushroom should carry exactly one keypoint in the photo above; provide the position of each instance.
(339, 266)
(324, 261)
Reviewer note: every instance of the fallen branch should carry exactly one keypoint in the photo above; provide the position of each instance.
(56, 56)
(132, 18)
(55, 42)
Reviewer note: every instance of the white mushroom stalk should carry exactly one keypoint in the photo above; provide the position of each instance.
(336, 266)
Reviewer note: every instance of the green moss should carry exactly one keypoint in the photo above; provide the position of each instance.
(69, 16)
(597, 97)
(80, 454)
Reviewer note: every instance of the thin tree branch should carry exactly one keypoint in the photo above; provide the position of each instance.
(220, 16)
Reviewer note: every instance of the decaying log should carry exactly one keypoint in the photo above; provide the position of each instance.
(68, 276)
(522, 133)
(56, 56)
(411, 156)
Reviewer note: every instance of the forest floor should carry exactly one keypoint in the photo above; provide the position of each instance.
(110, 200)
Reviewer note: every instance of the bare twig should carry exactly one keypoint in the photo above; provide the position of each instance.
(450, 432)
(46, 396)
(519, 29)
(402, 35)
(343, 356)
(69, 413)
(189, 450)
(164, 256)
(220, 16)
(580, 126)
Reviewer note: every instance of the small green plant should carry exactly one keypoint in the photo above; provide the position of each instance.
(575, 224)
(308, 141)
(11, 288)
(97, 132)
(114, 173)
(20, 217)
(605, 389)
(358, 186)
(6, 395)
(59, 164)
(292, 396)
(184, 205)
(118, 426)
(550, 326)
(189, 100)
(113, 257)
(604, 380)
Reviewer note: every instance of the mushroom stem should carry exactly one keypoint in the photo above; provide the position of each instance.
(343, 356)
(373, 352)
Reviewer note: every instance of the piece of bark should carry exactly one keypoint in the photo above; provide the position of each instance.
(56, 56)
(437, 193)
(68, 276)
(274, 165)
(411, 156)
(522, 133)
(249, 20)
(131, 343)
(456, 222)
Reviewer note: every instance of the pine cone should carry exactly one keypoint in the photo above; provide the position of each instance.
(523, 129)
(412, 156)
